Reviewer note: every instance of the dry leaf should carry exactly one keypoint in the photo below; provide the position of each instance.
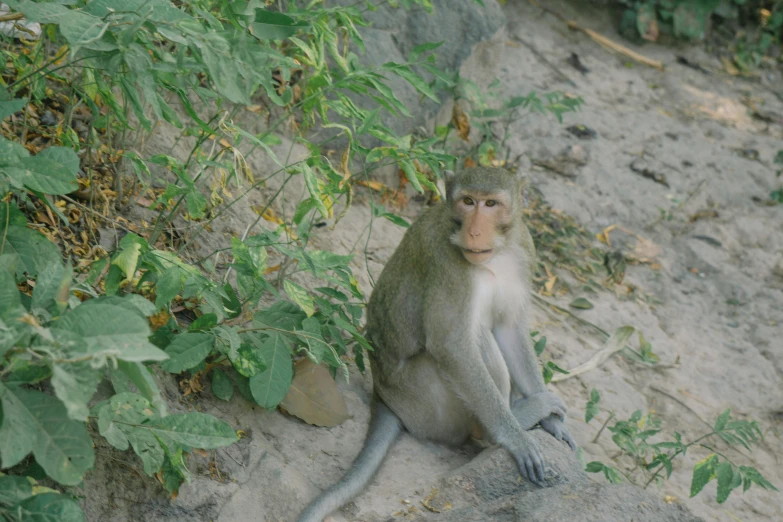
(314, 396)
(729, 67)
(344, 166)
(469, 162)
(645, 250)
(460, 121)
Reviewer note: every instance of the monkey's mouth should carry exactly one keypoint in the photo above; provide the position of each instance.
(477, 251)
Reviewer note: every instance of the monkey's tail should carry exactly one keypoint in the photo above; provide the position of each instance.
(384, 428)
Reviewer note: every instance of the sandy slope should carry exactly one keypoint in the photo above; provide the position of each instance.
(717, 305)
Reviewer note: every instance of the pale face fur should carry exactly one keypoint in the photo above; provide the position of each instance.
(483, 218)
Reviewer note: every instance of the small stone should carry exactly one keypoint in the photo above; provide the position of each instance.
(48, 119)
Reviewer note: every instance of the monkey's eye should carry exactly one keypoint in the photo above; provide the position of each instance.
(467, 200)
(491, 202)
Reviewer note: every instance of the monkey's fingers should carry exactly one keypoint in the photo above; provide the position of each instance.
(570, 440)
(532, 468)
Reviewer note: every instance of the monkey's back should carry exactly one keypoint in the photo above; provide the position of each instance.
(395, 325)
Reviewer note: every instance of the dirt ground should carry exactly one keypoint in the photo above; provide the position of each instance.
(712, 301)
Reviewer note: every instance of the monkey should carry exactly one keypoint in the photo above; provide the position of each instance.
(447, 321)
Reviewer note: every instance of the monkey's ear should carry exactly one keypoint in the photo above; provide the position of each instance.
(448, 175)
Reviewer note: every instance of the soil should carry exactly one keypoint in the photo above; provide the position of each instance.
(679, 159)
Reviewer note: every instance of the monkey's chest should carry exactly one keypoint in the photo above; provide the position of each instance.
(500, 294)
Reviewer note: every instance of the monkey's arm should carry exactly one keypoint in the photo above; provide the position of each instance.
(520, 358)
(526, 376)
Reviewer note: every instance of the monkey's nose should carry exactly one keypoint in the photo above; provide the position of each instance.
(477, 233)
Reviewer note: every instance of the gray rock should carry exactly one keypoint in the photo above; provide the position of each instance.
(580, 502)
(394, 32)
(491, 488)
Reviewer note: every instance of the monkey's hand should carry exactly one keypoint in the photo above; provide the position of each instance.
(555, 426)
(527, 452)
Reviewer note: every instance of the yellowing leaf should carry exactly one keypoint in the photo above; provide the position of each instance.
(460, 121)
(300, 296)
(314, 397)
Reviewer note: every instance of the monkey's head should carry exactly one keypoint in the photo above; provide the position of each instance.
(484, 203)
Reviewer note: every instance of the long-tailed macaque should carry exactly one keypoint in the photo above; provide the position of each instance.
(448, 323)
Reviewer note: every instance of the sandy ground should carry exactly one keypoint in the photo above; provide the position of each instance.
(714, 304)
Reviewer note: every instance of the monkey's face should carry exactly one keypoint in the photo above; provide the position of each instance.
(483, 219)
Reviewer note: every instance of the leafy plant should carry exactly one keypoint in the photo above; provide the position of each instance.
(687, 19)
(240, 315)
(652, 459)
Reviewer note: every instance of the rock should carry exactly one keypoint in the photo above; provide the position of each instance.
(567, 162)
(580, 502)
(394, 32)
(494, 474)
(491, 488)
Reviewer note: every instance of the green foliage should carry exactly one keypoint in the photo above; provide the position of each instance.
(548, 368)
(687, 19)
(134, 65)
(22, 499)
(591, 410)
(634, 437)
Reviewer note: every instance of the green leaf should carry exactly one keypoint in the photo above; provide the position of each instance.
(128, 260)
(42, 174)
(14, 489)
(52, 287)
(723, 418)
(35, 251)
(540, 345)
(139, 375)
(48, 507)
(334, 294)
(75, 384)
(703, 472)
(411, 77)
(111, 331)
(423, 48)
(34, 421)
(10, 301)
(222, 386)
(203, 322)
(380, 211)
(270, 386)
(552, 366)
(300, 296)
(269, 25)
(194, 430)
(10, 107)
(196, 204)
(581, 303)
(725, 474)
(187, 350)
(591, 410)
(63, 156)
(312, 187)
(168, 285)
(409, 168)
(247, 360)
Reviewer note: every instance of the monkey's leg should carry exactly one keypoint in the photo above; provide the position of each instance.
(383, 431)
(425, 403)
